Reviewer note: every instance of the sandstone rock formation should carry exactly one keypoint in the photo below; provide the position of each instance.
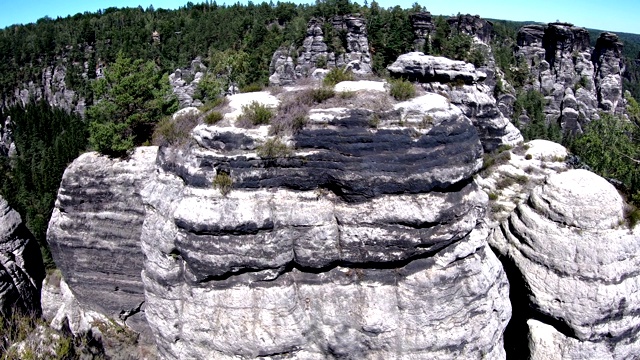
(184, 83)
(346, 247)
(462, 85)
(94, 232)
(348, 32)
(52, 88)
(578, 262)
(475, 26)
(7, 147)
(576, 80)
(422, 25)
(21, 268)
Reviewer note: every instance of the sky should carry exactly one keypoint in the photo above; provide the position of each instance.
(612, 15)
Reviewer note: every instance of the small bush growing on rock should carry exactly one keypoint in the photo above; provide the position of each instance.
(292, 114)
(321, 62)
(217, 102)
(347, 94)
(255, 114)
(251, 88)
(402, 89)
(322, 94)
(213, 118)
(273, 149)
(223, 182)
(493, 196)
(337, 75)
(374, 121)
(170, 131)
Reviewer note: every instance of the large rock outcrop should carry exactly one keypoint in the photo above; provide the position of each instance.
(576, 80)
(94, 232)
(346, 45)
(577, 259)
(463, 86)
(7, 146)
(51, 88)
(184, 83)
(422, 25)
(21, 268)
(347, 247)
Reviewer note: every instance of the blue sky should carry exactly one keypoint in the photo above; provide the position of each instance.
(613, 15)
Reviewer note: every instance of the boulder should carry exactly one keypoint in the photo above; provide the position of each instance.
(462, 85)
(21, 267)
(417, 66)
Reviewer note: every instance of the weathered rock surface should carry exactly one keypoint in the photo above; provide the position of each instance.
(7, 147)
(578, 259)
(472, 25)
(347, 247)
(184, 83)
(52, 88)
(21, 268)
(576, 80)
(462, 84)
(94, 232)
(349, 32)
(422, 25)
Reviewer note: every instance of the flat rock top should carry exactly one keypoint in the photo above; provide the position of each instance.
(545, 150)
(580, 198)
(237, 101)
(361, 85)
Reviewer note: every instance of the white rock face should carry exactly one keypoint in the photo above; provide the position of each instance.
(21, 268)
(579, 260)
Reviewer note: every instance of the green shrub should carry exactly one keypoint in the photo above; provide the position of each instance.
(213, 118)
(374, 121)
(223, 182)
(170, 131)
(273, 148)
(347, 94)
(216, 102)
(337, 75)
(402, 89)
(321, 62)
(251, 88)
(292, 114)
(322, 94)
(493, 196)
(255, 114)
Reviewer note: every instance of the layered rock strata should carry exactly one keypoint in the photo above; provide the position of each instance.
(576, 80)
(348, 33)
(578, 260)
(94, 232)
(21, 268)
(346, 247)
(463, 86)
